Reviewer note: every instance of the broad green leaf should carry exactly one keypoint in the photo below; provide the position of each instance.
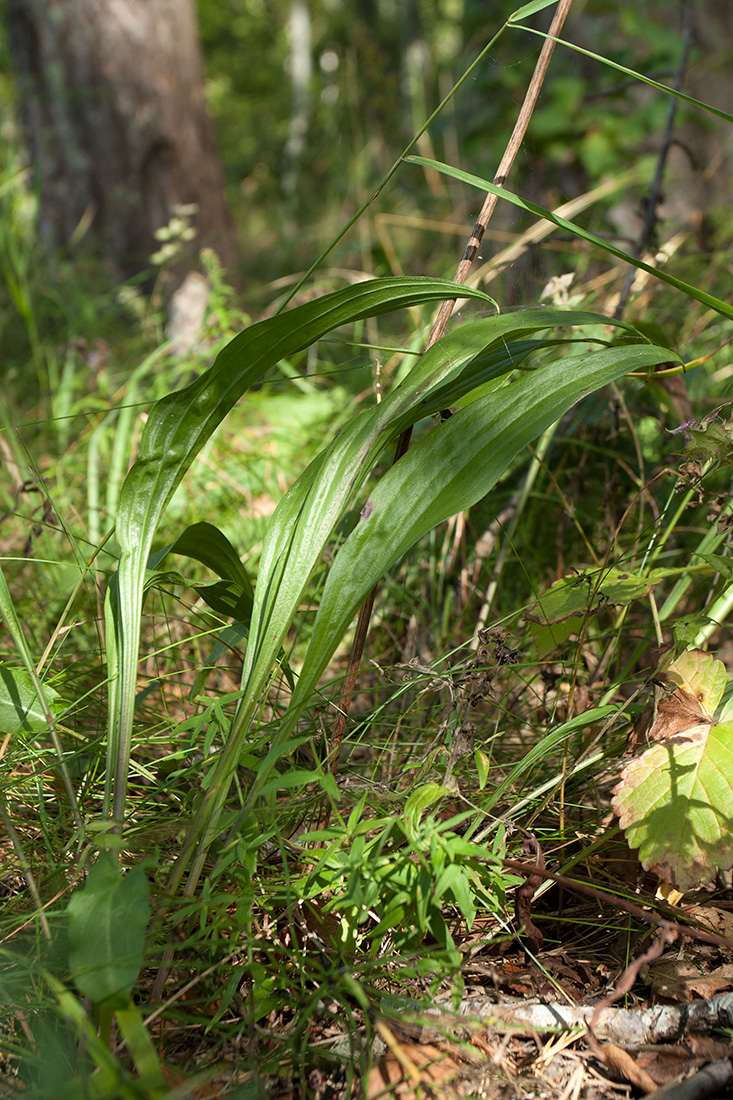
(726, 710)
(230, 597)
(228, 600)
(292, 779)
(108, 917)
(454, 880)
(550, 637)
(587, 593)
(205, 543)
(561, 611)
(176, 429)
(20, 708)
(106, 1081)
(142, 1051)
(483, 767)
(304, 519)
(713, 303)
(721, 565)
(675, 803)
(445, 472)
(709, 439)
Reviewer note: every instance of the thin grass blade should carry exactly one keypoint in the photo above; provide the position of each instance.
(709, 300)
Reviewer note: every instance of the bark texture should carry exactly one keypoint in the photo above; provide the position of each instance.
(112, 104)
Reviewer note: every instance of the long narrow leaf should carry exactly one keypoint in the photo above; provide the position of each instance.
(305, 517)
(514, 21)
(9, 614)
(447, 471)
(529, 9)
(177, 428)
(571, 227)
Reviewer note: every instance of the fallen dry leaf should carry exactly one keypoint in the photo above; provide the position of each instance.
(433, 1067)
(671, 977)
(710, 916)
(707, 985)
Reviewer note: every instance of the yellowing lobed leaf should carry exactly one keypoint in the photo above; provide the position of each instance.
(675, 801)
(702, 676)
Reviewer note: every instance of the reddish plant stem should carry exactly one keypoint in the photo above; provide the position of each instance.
(439, 327)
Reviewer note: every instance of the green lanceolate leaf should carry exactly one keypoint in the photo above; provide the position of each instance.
(108, 917)
(529, 9)
(232, 596)
(305, 518)
(716, 304)
(205, 543)
(478, 353)
(447, 471)
(688, 99)
(176, 430)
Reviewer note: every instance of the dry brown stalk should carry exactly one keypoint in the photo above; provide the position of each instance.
(441, 321)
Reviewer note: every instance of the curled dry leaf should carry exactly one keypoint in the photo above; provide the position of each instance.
(684, 698)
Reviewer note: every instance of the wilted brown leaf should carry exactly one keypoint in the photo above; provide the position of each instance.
(419, 1066)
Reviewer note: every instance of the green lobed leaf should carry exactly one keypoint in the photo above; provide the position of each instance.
(108, 918)
(675, 803)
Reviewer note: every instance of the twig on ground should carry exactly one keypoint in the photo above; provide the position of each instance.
(627, 1027)
(709, 1081)
(524, 895)
(648, 915)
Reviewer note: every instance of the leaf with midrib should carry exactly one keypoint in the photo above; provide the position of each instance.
(20, 707)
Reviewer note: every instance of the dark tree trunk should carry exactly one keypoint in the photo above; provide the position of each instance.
(113, 109)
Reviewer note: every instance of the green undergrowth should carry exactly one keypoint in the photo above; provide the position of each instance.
(186, 542)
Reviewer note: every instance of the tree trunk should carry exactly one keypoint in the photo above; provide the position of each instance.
(112, 104)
